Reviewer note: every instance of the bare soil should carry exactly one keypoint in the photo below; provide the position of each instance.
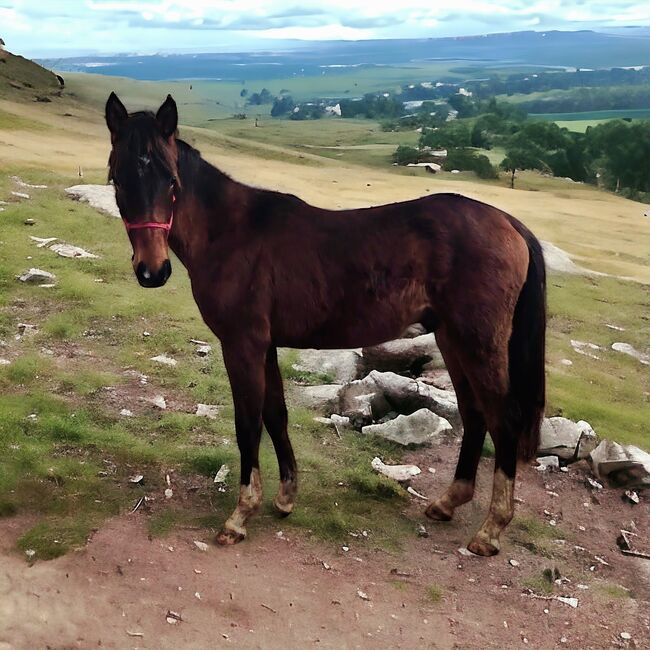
(282, 590)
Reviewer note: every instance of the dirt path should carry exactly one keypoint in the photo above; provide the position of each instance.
(273, 591)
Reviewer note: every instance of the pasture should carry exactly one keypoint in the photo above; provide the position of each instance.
(68, 456)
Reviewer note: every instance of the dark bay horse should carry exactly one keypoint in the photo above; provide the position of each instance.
(269, 270)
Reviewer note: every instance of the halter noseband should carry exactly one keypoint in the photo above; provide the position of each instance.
(152, 224)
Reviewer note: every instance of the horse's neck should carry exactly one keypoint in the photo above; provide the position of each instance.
(202, 210)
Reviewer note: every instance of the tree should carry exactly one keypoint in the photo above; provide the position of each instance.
(282, 106)
(450, 135)
(467, 160)
(404, 155)
(521, 156)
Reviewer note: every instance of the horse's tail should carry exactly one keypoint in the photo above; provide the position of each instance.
(527, 352)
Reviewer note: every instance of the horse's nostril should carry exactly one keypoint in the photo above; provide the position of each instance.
(145, 274)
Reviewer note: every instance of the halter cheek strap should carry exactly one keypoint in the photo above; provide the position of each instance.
(153, 224)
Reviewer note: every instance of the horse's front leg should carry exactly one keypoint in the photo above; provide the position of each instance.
(245, 362)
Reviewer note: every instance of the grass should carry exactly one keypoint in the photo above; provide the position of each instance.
(434, 593)
(535, 535)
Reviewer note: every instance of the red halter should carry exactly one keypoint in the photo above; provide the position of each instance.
(153, 224)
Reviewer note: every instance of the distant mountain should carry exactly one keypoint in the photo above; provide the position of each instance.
(23, 79)
(581, 49)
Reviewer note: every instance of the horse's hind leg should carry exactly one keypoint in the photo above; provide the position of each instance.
(274, 415)
(486, 541)
(245, 362)
(462, 488)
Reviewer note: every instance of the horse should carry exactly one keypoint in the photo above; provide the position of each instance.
(268, 270)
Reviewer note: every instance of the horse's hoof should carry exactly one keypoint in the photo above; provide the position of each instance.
(283, 509)
(437, 513)
(482, 547)
(228, 537)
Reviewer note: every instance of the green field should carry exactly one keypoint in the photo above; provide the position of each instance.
(580, 121)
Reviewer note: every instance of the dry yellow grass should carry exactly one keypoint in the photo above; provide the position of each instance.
(599, 230)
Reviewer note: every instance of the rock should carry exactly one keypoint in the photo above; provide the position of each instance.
(164, 359)
(169, 493)
(30, 222)
(202, 546)
(126, 413)
(100, 197)
(417, 329)
(421, 531)
(622, 466)
(588, 440)
(403, 355)
(548, 462)
(68, 250)
(421, 427)
(371, 398)
(626, 348)
(203, 350)
(42, 242)
(324, 399)
(4, 362)
(632, 497)
(159, 402)
(340, 365)
(438, 378)
(25, 329)
(36, 275)
(21, 183)
(20, 195)
(571, 602)
(567, 439)
(559, 261)
(222, 474)
(586, 349)
(566, 362)
(209, 411)
(398, 473)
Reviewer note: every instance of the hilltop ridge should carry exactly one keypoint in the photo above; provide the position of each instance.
(24, 80)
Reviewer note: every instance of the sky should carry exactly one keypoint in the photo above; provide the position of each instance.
(59, 28)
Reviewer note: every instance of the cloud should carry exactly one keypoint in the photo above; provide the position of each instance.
(121, 25)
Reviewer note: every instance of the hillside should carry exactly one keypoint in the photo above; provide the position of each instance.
(24, 80)
(107, 471)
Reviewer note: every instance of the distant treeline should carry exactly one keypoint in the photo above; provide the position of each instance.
(580, 100)
(614, 155)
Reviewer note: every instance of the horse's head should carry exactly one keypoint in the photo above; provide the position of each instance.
(143, 168)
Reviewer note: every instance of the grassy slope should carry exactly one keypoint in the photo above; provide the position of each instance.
(53, 464)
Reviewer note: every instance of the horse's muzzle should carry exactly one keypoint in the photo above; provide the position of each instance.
(150, 279)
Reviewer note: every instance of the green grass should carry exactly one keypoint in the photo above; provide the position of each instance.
(535, 535)
(434, 593)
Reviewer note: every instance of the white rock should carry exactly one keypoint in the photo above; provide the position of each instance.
(4, 362)
(622, 466)
(68, 250)
(21, 183)
(169, 493)
(164, 359)
(203, 350)
(222, 474)
(126, 413)
(547, 462)
(209, 411)
(100, 197)
(571, 602)
(159, 402)
(566, 362)
(626, 348)
(421, 427)
(558, 260)
(42, 242)
(585, 348)
(324, 398)
(626, 636)
(341, 365)
(202, 546)
(402, 355)
(36, 275)
(396, 472)
(567, 439)
(20, 195)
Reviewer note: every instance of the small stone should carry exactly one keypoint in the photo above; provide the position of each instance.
(571, 602)
(136, 478)
(626, 636)
(566, 362)
(209, 411)
(169, 493)
(362, 594)
(203, 350)
(594, 484)
(547, 463)
(221, 475)
(513, 563)
(164, 359)
(36, 275)
(126, 413)
(202, 546)
(398, 473)
(159, 402)
(30, 552)
(29, 222)
(632, 496)
(422, 531)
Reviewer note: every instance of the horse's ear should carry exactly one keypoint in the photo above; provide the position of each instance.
(116, 114)
(167, 117)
